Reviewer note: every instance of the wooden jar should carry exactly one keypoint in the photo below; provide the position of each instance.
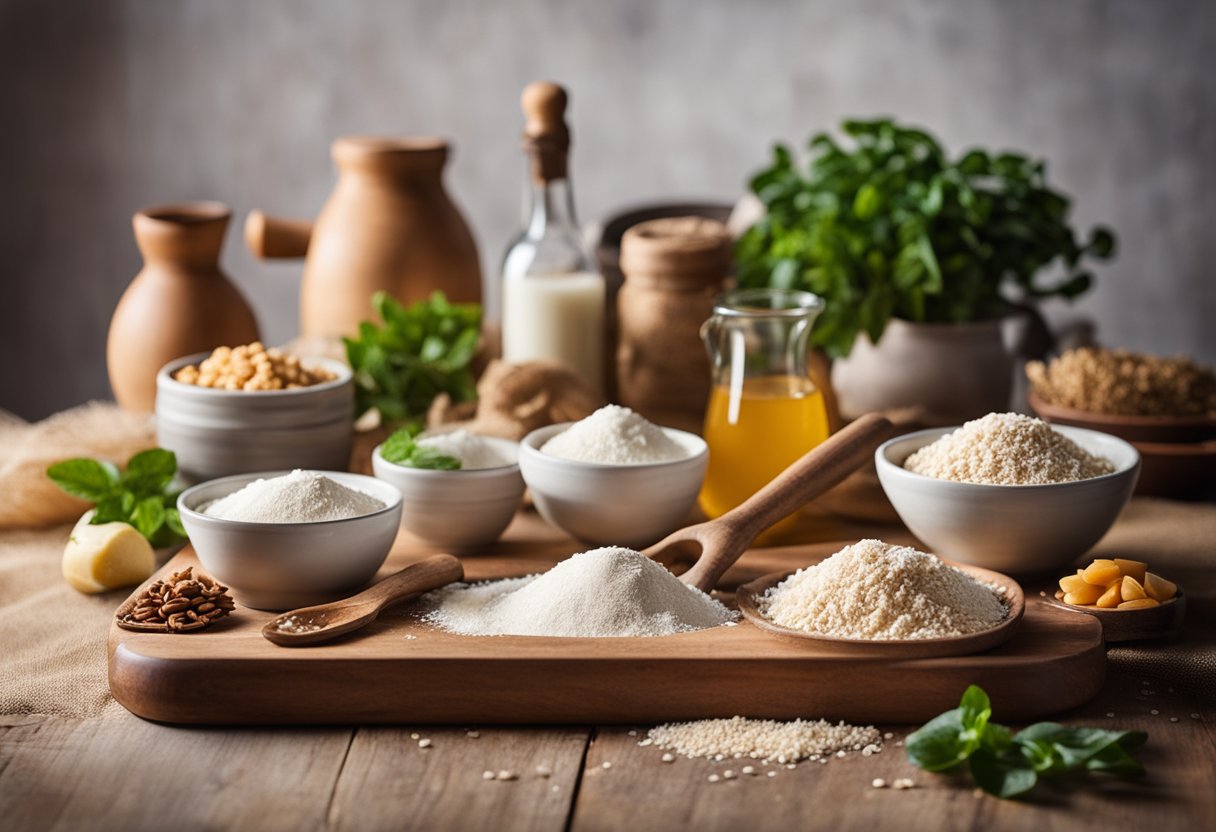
(673, 269)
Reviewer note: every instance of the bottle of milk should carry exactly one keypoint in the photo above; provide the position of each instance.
(553, 297)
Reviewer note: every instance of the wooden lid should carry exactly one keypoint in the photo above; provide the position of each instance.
(546, 134)
(678, 247)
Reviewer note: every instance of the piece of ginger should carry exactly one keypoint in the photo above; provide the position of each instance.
(106, 556)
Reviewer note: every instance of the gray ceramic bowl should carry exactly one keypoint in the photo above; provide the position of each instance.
(1021, 529)
(457, 510)
(216, 433)
(281, 566)
(613, 505)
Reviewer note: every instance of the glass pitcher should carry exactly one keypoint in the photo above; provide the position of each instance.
(764, 410)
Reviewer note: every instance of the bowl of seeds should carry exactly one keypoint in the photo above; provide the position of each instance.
(1008, 492)
(248, 408)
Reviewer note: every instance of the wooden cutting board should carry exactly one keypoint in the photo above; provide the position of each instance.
(400, 670)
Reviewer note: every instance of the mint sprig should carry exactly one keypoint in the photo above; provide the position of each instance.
(141, 496)
(1009, 765)
(402, 448)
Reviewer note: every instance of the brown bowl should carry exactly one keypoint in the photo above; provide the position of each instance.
(1161, 621)
(1170, 429)
(920, 648)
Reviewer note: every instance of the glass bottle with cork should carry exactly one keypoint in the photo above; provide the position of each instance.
(553, 297)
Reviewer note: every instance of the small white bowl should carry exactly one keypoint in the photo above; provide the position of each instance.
(1021, 529)
(282, 566)
(217, 433)
(614, 505)
(456, 510)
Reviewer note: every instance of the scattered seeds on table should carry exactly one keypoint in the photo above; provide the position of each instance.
(713, 778)
(487, 775)
(473, 734)
(729, 774)
(668, 758)
(878, 783)
(1110, 714)
(772, 774)
(605, 765)
(506, 775)
(903, 783)
(633, 733)
(424, 743)
(749, 770)
(1194, 716)
(544, 771)
(1173, 719)
(414, 736)
(888, 736)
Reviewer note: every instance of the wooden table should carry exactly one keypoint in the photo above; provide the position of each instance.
(119, 772)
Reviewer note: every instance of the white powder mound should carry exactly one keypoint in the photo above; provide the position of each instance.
(596, 594)
(765, 739)
(1007, 449)
(874, 590)
(298, 497)
(473, 451)
(615, 435)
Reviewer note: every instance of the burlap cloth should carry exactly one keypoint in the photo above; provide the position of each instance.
(53, 639)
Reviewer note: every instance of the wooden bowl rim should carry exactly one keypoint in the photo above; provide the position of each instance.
(746, 595)
(1123, 615)
(1045, 408)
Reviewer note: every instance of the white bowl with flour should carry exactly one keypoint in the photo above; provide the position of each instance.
(276, 565)
(631, 505)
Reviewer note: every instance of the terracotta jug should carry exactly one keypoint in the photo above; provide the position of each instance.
(180, 302)
(389, 225)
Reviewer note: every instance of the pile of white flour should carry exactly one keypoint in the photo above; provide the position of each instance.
(298, 497)
(600, 593)
(615, 435)
(874, 590)
(473, 451)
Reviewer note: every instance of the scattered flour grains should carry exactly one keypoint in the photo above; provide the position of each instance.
(615, 435)
(873, 590)
(298, 497)
(600, 593)
(765, 739)
(1007, 449)
(473, 451)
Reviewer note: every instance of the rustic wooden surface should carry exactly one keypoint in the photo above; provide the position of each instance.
(122, 773)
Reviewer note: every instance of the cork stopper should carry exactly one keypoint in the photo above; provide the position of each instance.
(546, 135)
(683, 249)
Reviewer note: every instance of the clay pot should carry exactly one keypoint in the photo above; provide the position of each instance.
(388, 226)
(930, 374)
(180, 302)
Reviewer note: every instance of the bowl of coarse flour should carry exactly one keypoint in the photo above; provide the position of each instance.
(289, 539)
(1008, 492)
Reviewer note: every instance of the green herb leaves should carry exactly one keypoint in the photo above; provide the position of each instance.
(402, 449)
(889, 226)
(419, 352)
(140, 496)
(1009, 765)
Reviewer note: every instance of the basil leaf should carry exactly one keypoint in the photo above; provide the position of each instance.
(148, 516)
(940, 744)
(150, 471)
(173, 522)
(85, 478)
(424, 457)
(1001, 776)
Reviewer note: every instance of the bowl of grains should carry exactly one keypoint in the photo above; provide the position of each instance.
(1008, 492)
(243, 409)
(614, 478)
(288, 539)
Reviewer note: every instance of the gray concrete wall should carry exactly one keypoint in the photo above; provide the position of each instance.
(108, 106)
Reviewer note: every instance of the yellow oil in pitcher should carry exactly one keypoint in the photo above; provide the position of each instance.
(775, 420)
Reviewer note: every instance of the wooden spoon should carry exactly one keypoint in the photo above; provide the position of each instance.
(720, 542)
(310, 625)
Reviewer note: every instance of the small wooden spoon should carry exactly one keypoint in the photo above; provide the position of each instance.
(310, 625)
(719, 543)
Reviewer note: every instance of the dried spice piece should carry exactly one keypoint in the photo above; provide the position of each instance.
(180, 604)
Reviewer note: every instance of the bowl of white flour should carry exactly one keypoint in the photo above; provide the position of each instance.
(614, 478)
(288, 539)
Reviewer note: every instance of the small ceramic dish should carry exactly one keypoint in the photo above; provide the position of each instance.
(748, 595)
(1161, 621)
(218, 433)
(613, 505)
(1020, 529)
(281, 566)
(457, 510)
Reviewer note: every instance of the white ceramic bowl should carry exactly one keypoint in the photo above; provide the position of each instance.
(282, 566)
(458, 510)
(613, 505)
(216, 433)
(1021, 529)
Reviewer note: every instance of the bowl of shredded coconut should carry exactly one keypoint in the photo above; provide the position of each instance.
(461, 510)
(879, 599)
(290, 539)
(614, 477)
(1008, 492)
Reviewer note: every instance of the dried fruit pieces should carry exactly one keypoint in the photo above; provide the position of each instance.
(180, 604)
(1115, 583)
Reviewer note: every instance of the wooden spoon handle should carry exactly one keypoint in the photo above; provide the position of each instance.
(432, 573)
(812, 474)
